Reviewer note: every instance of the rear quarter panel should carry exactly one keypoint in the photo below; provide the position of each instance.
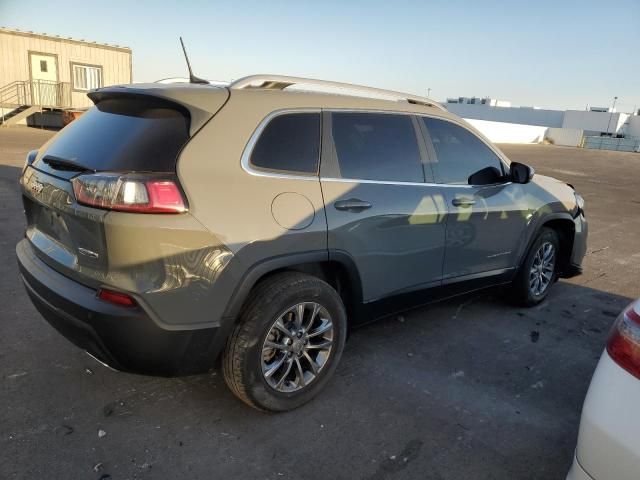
(237, 206)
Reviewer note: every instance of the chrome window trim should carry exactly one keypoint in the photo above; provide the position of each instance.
(415, 184)
(245, 159)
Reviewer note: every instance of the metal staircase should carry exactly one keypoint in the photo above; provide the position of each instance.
(23, 98)
(17, 114)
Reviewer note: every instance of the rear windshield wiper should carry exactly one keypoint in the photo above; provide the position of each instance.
(61, 164)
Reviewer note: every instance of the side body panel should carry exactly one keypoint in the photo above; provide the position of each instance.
(397, 244)
(490, 227)
(236, 204)
(484, 234)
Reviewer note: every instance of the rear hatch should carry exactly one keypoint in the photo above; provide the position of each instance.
(138, 131)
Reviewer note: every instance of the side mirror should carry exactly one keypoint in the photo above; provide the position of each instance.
(486, 176)
(520, 173)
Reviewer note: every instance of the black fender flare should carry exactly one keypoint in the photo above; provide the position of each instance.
(264, 267)
(535, 230)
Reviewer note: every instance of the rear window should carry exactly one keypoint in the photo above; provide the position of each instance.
(131, 134)
(289, 143)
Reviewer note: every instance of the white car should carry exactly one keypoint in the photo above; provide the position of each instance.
(609, 439)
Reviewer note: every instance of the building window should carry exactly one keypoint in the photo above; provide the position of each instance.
(86, 77)
(43, 66)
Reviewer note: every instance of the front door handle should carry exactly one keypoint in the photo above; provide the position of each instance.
(463, 202)
(352, 205)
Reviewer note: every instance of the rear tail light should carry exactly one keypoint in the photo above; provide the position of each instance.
(116, 297)
(129, 193)
(624, 342)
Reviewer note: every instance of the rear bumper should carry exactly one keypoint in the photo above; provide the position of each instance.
(124, 338)
(608, 445)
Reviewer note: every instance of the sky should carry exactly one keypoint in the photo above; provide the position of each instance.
(550, 54)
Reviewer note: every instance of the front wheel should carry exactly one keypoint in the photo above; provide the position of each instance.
(538, 270)
(287, 342)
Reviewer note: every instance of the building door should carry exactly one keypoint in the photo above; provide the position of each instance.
(44, 79)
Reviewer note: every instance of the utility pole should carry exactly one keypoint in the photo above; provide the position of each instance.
(611, 114)
(428, 93)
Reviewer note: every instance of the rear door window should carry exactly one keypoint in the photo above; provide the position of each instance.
(376, 146)
(124, 134)
(289, 143)
(459, 153)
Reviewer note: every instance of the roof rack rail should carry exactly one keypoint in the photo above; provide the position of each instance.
(280, 82)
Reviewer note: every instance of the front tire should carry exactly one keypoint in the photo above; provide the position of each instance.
(287, 342)
(538, 271)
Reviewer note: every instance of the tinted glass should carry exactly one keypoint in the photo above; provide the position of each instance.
(376, 146)
(459, 152)
(124, 134)
(289, 143)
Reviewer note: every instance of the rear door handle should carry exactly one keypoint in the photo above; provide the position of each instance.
(352, 205)
(463, 202)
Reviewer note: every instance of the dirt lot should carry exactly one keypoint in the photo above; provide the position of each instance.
(471, 388)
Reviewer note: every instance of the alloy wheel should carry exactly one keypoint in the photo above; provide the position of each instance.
(542, 269)
(297, 347)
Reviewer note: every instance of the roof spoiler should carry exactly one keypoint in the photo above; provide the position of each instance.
(201, 101)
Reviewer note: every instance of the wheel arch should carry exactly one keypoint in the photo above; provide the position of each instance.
(566, 230)
(337, 270)
(564, 226)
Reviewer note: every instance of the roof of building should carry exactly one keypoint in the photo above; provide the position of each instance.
(82, 41)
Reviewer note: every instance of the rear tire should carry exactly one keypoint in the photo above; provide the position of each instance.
(287, 342)
(538, 271)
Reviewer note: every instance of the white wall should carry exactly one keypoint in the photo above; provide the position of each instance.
(502, 132)
(567, 137)
(633, 127)
(590, 122)
(594, 121)
(525, 116)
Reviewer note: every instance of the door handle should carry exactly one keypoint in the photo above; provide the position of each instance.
(463, 202)
(352, 205)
